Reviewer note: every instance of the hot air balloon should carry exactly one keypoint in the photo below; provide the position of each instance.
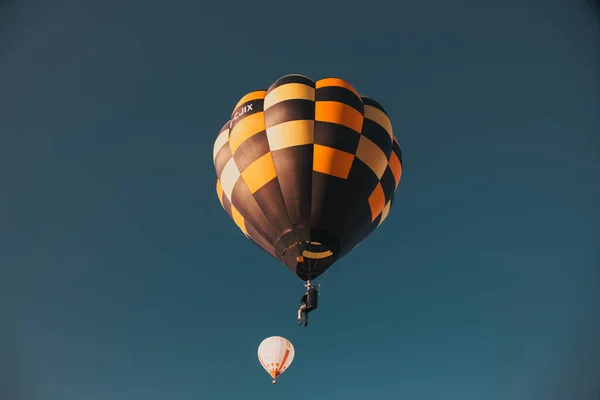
(307, 170)
(275, 354)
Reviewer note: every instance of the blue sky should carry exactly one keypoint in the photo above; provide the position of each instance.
(123, 278)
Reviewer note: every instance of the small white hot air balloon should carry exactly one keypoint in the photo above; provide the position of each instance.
(275, 354)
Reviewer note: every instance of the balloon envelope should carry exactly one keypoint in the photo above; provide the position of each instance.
(275, 354)
(307, 170)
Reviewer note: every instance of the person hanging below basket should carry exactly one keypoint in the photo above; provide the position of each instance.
(308, 302)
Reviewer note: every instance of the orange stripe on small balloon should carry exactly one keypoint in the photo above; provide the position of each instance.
(285, 357)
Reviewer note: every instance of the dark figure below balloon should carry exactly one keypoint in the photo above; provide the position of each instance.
(308, 303)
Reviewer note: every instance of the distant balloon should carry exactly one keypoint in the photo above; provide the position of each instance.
(307, 170)
(275, 354)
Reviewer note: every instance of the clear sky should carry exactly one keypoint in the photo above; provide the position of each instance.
(122, 278)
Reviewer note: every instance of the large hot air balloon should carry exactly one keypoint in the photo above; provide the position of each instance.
(307, 170)
(275, 354)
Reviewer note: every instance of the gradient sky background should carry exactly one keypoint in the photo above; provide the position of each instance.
(122, 278)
